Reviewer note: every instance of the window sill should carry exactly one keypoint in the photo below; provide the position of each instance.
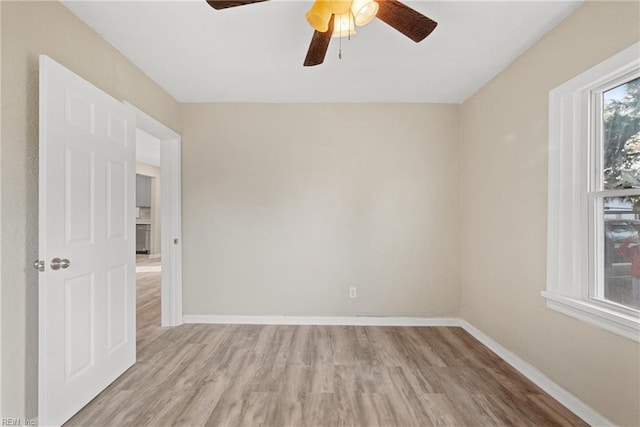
(622, 324)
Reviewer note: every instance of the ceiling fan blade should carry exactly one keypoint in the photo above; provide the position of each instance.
(319, 45)
(225, 4)
(409, 22)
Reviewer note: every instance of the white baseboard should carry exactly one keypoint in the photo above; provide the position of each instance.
(322, 320)
(570, 401)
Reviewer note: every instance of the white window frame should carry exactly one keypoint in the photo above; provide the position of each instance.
(574, 184)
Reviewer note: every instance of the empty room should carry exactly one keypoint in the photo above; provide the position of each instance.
(320, 213)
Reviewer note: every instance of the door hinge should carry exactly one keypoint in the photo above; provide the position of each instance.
(175, 241)
(38, 265)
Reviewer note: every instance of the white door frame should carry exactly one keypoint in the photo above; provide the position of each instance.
(171, 214)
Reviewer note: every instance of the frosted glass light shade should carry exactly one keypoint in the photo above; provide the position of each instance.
(338, 7)
(343, 25)
(364, 11)
(319, 15)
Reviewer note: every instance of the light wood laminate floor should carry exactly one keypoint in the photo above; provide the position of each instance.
(232, 375)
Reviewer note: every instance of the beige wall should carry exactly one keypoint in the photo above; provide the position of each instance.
(154, 172)
(30, 29)
(504, 192)
(286, 206)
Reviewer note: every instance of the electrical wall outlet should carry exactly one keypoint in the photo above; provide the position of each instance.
(353, 292)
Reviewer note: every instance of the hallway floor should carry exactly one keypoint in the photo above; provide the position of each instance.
(148, 271)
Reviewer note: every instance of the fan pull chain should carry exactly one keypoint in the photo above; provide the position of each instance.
(348, 33)
(340, 42)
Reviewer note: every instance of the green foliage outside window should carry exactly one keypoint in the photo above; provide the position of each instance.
(622, 136)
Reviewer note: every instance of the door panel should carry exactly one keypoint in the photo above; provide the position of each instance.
(117, 209)
(79, 113)
(86, 307)
(79, 195)
(116, 304)
(79, 331)
(117, 130)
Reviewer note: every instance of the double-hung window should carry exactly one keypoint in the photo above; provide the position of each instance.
(593, 255)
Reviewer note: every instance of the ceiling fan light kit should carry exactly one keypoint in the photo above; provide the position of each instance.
(338, 18)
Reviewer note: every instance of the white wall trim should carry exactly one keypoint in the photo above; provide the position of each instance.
(171, 215)
(322, 320)
(613, 321)
(570, 401)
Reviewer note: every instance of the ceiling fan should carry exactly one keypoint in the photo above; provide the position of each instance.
(338, 18)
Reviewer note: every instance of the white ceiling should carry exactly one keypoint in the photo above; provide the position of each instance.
(255, 53)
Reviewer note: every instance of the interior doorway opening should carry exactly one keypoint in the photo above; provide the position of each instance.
(158, 212)
(148, 236)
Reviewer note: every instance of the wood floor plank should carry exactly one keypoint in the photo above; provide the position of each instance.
(404, 398)
(320, 408)
(248, 375)
(343, 352)
(440, 411)
(258, 409)
(378, 411)
(199, 409)
(226, 412)
(502, 417)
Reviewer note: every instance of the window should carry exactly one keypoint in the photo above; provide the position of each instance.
(615, 192)
(593, 255)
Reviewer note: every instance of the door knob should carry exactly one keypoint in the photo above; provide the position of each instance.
(38, 265)
(58, 263)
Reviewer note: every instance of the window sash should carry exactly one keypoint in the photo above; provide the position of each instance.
(595, 290)
(595, 286)
(595, 132)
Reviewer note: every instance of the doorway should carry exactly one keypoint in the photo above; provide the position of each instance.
(148, 236)
(160, 258)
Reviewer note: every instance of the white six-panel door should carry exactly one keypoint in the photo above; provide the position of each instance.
(86, 240)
